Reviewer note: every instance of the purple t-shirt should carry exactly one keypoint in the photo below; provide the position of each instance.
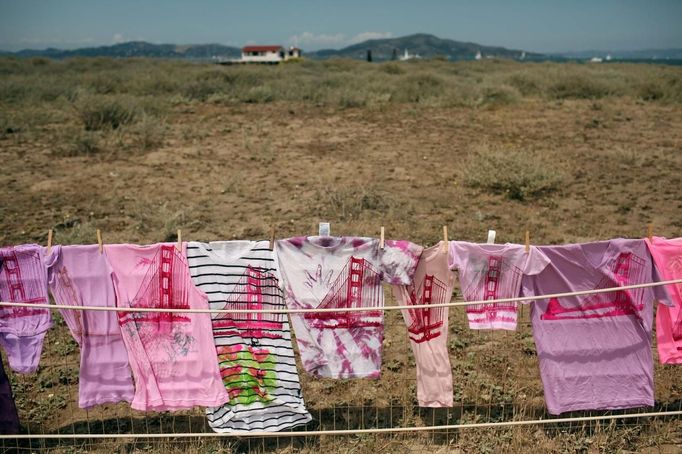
(81, 276)
(595, 350)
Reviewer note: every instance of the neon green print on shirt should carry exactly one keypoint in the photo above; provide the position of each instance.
(247, 374)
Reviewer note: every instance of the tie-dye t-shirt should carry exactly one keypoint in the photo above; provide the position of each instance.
(255, 354)
(342, 272)
(428, 327)
(23, 279)
(668, 258)
(171, 354)
(493, 271)
(595, 350)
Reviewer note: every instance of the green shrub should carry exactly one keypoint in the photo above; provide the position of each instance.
(517, 174)
(102, 112)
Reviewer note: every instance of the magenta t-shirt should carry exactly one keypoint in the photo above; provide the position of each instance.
(595, 350)
(668, 258)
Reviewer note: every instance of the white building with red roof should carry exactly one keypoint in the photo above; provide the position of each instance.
(268, 54)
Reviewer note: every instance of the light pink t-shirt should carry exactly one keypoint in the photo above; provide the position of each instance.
(493, 271)
(81, 276)
(667, 255)
(428, 328)
(172, 355)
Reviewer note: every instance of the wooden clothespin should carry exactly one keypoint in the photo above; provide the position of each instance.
(49, 241)
(527, 241)
(272, 238)
(381, 239)
(179, 240)
(445, 238)
(99, 241)
(650, 231)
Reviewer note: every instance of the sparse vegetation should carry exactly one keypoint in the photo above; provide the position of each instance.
(570, 152)
(520, 175)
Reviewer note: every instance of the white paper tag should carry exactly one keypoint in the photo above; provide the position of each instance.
(491, 236)
(324, 229)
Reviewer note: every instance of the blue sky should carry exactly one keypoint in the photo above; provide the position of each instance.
(540, 25)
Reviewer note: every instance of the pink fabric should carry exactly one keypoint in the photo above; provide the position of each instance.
(171, 354)
(81, 276)
(23, 279)
(428, 328)
(667, 255)
(493, 271)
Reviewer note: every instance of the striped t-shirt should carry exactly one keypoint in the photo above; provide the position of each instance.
(255, 354)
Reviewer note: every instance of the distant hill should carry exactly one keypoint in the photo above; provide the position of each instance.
(423, 44)
(138, 49)
(382, 49)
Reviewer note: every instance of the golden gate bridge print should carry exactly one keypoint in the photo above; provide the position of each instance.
(628, 268)
(248, 294)
(424, 323)
(358, 285)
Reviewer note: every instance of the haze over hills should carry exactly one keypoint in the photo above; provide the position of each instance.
(422, 44)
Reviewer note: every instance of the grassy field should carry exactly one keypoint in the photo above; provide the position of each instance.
(140, 148)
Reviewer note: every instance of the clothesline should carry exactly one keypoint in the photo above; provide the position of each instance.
(310, 433)
(520, 299)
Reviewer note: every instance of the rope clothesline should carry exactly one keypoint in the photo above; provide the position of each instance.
(520, 299)
(387, 430)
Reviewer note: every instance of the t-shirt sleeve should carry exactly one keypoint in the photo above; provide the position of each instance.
(536, 263)
(661, 293)
(454, 257)
(399, 261)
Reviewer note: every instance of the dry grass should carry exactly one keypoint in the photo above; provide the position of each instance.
(571, 152)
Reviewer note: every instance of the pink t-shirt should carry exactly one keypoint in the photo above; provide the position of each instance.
(428, 328)
(172, 355)
(493, 271)
(667, 255)
(81, 276)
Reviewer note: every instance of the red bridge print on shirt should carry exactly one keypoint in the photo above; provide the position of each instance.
(627, 269)
(424, 323)
(248, 294)
(498, 274)
(18, 290)
(163, 287)
(358, 285)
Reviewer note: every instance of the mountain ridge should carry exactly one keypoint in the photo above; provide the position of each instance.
(423, 44)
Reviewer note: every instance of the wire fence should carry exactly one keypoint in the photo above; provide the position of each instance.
(498, 404)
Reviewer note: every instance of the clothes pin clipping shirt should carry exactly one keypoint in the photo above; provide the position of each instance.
(445, 239)
(491, 236)
(324, 229)
(650, 231)
(527, 241)
(179, 240)
(272, 238)
(99, 241)
(381, 239)
(49, 241)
